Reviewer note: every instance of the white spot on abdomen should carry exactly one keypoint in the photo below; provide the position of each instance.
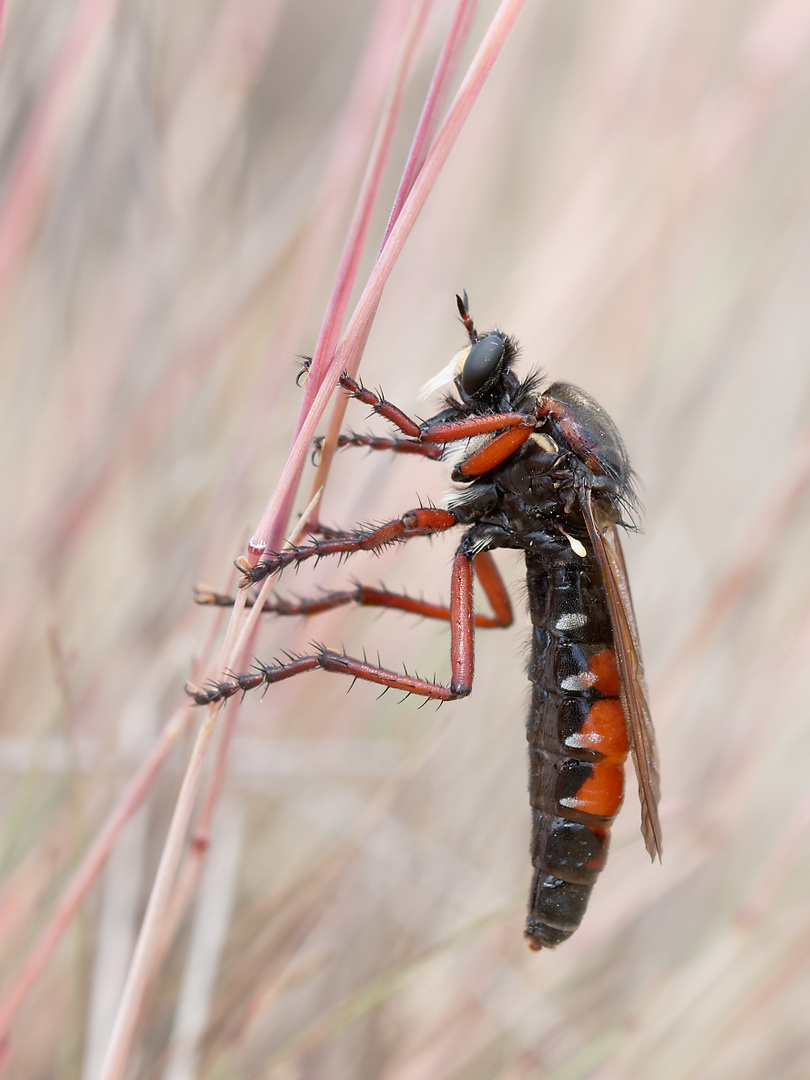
(576, 683)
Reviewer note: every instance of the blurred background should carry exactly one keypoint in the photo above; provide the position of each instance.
(631, 199)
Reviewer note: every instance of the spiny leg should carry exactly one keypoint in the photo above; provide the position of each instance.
(447, 431)
(374, 442)
(366, 596)
(510, 430)
(443, 431)
(378, 404)
(460, 617)
(424, 521)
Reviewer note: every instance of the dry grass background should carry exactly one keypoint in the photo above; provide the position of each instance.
(631, 198)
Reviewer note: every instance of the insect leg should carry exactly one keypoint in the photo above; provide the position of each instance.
(518, 427)
(447, 431)
(373, 442)
(495, 451)
(367, 596)
(378, 404)
(461, 657)
(444, 431)
(487, 573)
(452, 430)
(424, 521)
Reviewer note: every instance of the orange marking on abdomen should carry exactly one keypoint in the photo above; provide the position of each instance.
(601, 794)
(603, 731)
(602, 667)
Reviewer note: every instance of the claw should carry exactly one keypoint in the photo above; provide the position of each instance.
(306, 364)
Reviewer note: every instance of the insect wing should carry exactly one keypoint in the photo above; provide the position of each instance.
(608, 550)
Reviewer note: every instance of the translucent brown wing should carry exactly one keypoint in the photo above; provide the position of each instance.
(633, 690)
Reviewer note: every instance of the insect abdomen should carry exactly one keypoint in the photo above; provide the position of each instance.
(577, 744)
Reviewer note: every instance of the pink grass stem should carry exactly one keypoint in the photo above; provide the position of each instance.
(437, 93)
(241, 627)
(269, 534)
(88, 872)
(445, 69)
(150, 935)
(168, 907)
(360, 322)
(149, 941)
(358, 230)
(353, 249)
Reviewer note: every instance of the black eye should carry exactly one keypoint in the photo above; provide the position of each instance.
(482, 366)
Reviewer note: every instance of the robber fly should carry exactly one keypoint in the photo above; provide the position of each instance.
(547, 474)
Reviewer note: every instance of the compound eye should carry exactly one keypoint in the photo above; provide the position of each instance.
(482, 365)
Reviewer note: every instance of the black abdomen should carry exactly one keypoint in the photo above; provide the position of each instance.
(577, 741)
